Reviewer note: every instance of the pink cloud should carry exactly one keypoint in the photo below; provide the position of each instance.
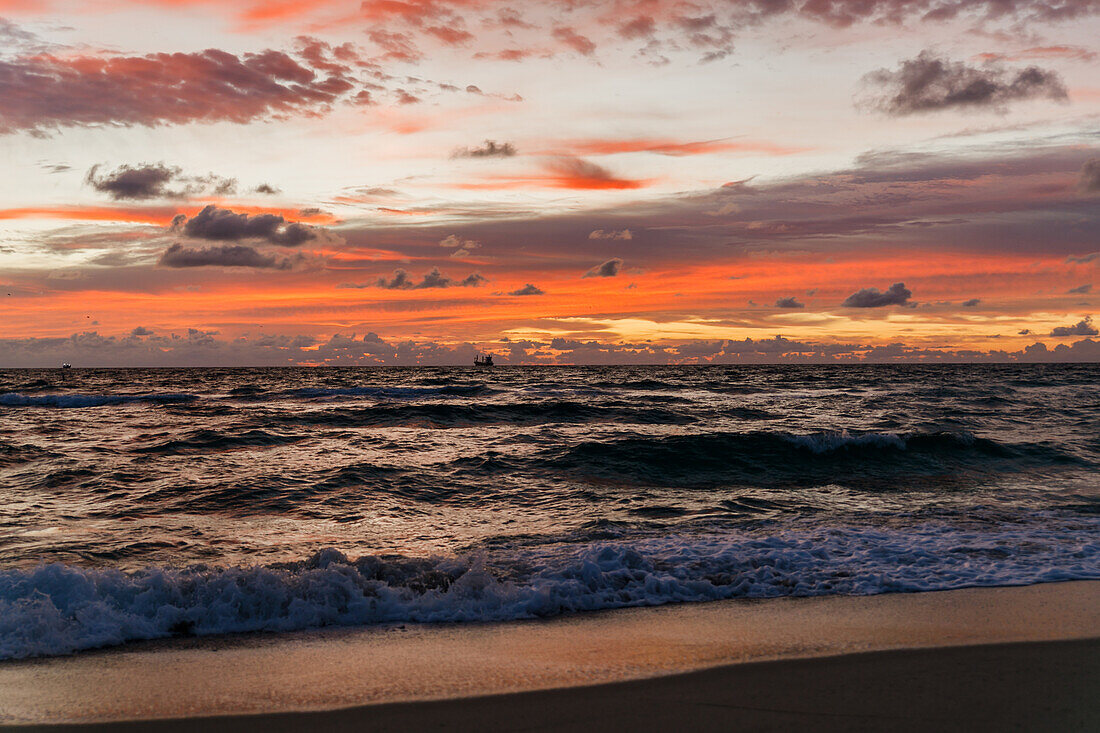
(46, 92)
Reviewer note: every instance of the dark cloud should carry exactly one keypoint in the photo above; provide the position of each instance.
(472, 280)
(609, 268)
(155, 180)
(141, 331)
(1083, 327)
(490, 149)
(267, 188)
(896, 294)
(433, 279)
(1090, 176)
(225, 225)
(230, 255)
(971, 303)
(929, 83)
(1080, 289)
(790, 302)
(399, 281)
(143, 182)
(528, 289)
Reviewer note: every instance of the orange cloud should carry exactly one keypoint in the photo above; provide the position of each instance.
(137, 215)
(1075, 53)
(159, 215)
(270, 11)
(565, 171)
(657, 304)
(307, 215)
(570, 172)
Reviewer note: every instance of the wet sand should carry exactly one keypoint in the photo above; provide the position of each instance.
(949, 660)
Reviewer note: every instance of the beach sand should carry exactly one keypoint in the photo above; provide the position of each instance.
(1023, 658)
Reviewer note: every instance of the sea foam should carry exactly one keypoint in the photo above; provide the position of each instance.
(57, 609)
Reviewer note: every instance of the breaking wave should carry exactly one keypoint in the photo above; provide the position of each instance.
(58, 609)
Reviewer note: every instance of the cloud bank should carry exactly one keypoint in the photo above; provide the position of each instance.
(196, 347)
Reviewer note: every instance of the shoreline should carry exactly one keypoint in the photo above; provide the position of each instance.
(417, 672)
(1020, 686)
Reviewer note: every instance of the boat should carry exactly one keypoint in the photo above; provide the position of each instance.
(483, 361)
(66, 365)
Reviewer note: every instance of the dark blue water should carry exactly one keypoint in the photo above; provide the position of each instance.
(147, 503)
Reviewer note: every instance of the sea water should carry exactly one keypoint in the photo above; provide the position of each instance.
(147, 503)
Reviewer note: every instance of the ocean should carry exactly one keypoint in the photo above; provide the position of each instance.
(150, 503)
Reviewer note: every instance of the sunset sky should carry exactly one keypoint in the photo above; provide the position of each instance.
(190, 182)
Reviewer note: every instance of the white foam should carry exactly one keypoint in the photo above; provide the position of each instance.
(829, 442)
(58, 609)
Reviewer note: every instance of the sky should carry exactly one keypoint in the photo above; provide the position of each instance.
(279, 182)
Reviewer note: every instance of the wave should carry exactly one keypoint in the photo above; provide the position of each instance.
(639, 384)
(37, 385)
(464, 390)
(770, 458)
(250, 393)
(209, 441)
(16, 399)
(13, 454)
(58, 609)
(452, 414)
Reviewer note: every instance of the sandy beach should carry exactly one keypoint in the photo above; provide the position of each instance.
(1021, 658)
